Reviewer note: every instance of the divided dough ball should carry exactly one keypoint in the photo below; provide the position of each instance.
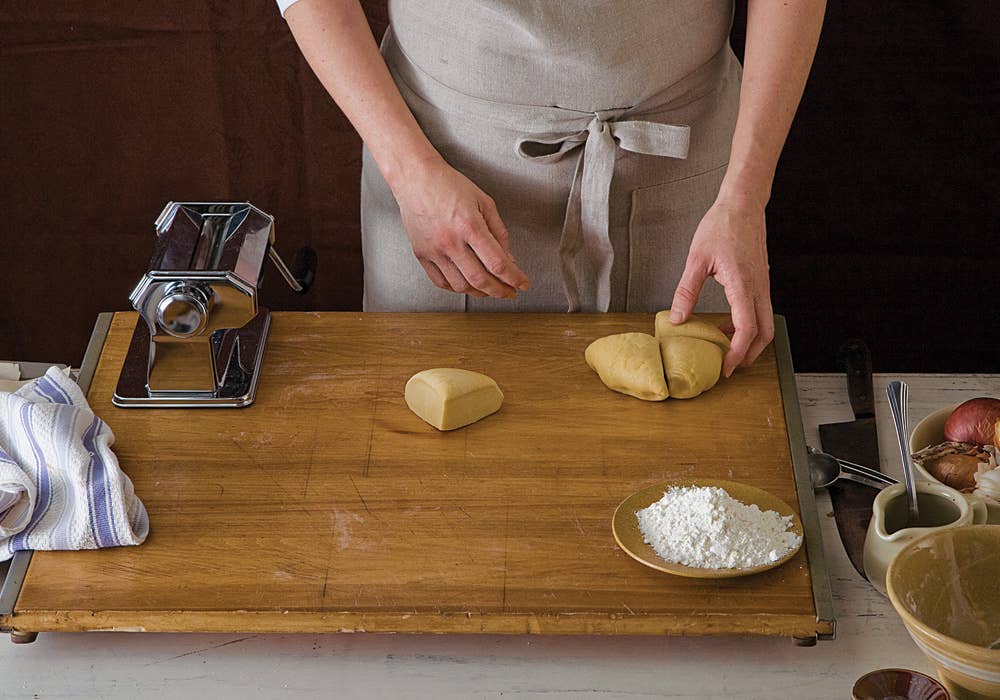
(629, 363)
(692, 354)
(693, 365)
(449, 398)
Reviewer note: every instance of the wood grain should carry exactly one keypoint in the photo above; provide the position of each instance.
(328, 506)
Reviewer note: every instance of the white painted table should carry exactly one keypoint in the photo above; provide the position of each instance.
(869, 634)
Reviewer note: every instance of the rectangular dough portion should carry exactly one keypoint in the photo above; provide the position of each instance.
(449, 398)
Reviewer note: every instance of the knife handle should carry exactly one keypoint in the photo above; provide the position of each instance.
(858, 364)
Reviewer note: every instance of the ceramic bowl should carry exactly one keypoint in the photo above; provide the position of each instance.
(930, 431)
(946, 587)
(898, 683)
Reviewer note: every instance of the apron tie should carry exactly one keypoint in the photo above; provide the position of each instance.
(586, 221)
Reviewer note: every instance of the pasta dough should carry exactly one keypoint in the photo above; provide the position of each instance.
(694, 327)
(629, 363)
(692, 354)
(449, 398)
(693, 365)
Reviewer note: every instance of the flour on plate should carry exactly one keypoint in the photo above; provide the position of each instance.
(705, 527)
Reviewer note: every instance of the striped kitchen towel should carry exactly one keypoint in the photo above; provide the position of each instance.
(60, 483)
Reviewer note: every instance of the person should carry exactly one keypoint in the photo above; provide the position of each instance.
(534, 155)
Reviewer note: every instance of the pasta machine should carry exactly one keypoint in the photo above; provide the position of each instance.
(199, 340)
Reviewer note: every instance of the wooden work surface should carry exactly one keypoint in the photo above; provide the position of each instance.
(328, 506)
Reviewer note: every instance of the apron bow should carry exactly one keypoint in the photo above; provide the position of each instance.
(585, 224)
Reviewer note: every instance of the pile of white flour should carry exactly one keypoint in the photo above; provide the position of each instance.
(705, 527)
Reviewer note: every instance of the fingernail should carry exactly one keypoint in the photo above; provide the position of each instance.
(524, 286)
(675, 316)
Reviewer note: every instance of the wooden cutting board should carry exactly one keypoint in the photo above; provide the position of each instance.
(328, 506)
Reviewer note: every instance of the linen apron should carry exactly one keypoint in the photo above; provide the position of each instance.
(601, 128)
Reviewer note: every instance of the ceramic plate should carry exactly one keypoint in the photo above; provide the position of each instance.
(625, 526)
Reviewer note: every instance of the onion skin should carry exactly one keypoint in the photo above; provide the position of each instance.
(974, 421)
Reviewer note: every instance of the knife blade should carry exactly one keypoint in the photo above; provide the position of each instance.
(856, 441)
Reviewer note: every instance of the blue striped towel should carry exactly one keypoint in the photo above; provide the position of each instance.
(60, 483)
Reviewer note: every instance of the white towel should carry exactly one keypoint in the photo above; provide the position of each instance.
(60, 483)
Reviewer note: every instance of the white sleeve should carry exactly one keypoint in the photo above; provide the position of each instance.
(284, 5)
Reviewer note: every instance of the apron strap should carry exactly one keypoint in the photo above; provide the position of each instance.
(586, 222)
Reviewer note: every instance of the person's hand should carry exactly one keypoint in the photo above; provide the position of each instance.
(457, 234)
(730, 245)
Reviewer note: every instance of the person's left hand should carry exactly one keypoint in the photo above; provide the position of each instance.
(731, 246)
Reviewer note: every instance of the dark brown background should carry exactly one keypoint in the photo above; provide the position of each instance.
(883, 223)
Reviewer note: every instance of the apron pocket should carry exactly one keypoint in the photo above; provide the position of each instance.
(662, 222)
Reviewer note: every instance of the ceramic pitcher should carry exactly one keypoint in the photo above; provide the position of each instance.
(881, 546)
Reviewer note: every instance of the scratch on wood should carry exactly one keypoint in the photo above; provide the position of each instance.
(334, 539)
(371, 433)
(309, 468)
(363, 501)
(251, 458)
(506, 532)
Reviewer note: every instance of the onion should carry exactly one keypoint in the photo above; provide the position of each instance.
(954, 464)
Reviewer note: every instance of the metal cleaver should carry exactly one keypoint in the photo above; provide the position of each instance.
(855, 441)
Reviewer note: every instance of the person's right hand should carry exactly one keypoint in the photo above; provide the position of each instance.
(457, 234)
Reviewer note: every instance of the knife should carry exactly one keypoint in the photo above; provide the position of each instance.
(856, 441)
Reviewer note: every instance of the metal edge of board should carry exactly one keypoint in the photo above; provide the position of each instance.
(819, 574)
(14, 580)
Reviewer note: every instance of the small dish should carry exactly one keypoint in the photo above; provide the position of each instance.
(625, 526)
(898, 684)
(930, 431)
